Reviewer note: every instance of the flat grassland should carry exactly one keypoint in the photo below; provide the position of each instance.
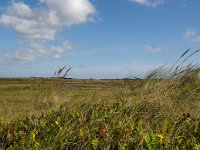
(22, 96)
(55, 113)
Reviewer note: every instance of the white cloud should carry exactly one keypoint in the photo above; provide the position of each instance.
(20, 9)
(192, 36)
(35, 50)
(150, 3)
(155, 49)
(41, 23)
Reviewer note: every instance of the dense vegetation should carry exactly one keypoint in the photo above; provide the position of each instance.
(143, 114)
(152, 113)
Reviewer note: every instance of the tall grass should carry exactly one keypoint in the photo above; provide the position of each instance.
(159, 112)
(50, 97)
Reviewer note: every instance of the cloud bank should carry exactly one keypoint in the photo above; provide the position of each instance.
(150, 3)
(41, 23)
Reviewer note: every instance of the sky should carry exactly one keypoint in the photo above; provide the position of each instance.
(97, 38)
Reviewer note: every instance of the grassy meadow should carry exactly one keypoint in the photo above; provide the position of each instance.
(22, 96)
(100, 114)
(157, 112)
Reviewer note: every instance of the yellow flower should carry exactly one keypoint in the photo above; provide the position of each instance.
(36, 145)
(33, 136)
(56, 122)
(123, 147)
(81, 132)
(197, 147)
(95, 143)
(161, 137)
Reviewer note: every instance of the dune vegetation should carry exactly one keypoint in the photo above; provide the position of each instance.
(159, 111)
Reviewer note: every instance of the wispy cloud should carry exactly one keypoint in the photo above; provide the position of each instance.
(192, 36)
(34, 51)
(155, 49)
(150, 3)
(41, 23)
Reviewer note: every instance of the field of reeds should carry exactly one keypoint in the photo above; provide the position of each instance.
(160, 111)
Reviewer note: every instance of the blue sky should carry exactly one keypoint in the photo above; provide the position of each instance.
(97, 38)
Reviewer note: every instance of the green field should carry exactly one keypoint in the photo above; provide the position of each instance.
(22, 96)
(56, 113)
